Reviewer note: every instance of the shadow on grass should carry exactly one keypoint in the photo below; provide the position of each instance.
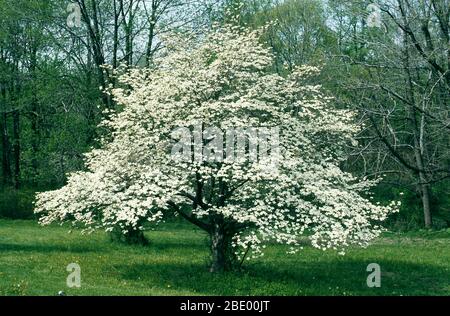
(178, 245)
(340, 277)
(45, 248)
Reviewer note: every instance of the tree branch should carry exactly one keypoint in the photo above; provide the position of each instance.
(190, 218)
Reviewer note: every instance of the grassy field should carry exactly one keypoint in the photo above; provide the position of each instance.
(33, 261)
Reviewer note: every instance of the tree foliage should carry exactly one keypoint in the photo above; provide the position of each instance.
(223, 80)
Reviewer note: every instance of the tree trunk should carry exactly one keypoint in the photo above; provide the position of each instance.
(34, 119)
(116, 32)
(131, 237)
(221, 250)
(151, 34)
(16, 149)
(426, 206)
(6, 146)
(424, 186)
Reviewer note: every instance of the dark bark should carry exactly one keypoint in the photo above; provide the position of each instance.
(151, 34)
(128, 28)
(16, 148)
(6, 151)
(116, 31)
(222, 254)
(34, 118)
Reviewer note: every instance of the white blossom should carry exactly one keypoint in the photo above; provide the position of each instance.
(224, 80)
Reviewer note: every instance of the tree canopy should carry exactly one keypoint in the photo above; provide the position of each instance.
(206, 84)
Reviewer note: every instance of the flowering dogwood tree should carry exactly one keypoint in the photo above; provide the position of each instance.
(224, 80)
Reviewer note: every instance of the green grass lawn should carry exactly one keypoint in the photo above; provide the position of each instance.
(33, 261)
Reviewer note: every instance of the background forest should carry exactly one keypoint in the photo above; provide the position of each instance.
(389, 59)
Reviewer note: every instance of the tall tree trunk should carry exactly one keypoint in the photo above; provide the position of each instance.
(423, 185)
(34, 118)
(16, 148)
(151, 34)
(6, 151)
(116, 32)
(34, 140)
(128, 29)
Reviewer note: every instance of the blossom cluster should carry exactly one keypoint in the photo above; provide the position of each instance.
(224, 78)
